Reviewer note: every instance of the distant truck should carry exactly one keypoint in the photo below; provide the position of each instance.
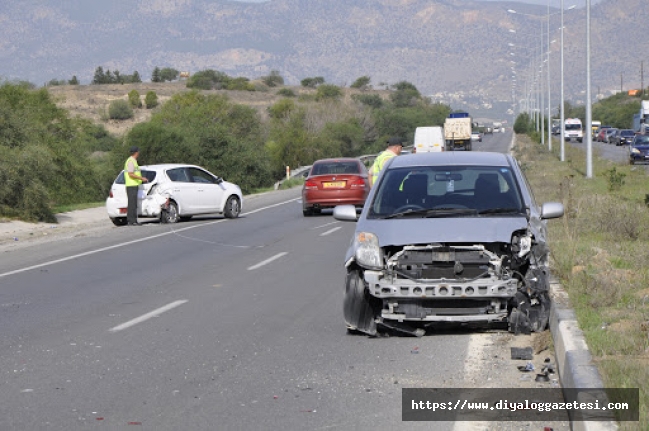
(595, 125)
(429, 140)
(457, 131)
(573, 129)
(641, 119)
(497, 127)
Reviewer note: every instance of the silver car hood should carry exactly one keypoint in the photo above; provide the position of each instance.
(396, 232)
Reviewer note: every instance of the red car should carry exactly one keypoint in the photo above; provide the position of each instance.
(334, 182)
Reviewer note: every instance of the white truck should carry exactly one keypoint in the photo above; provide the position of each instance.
(573, 129)
(429, 139)
(457, 131)
(641, 119)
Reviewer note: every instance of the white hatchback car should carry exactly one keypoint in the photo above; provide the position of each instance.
(176, 192)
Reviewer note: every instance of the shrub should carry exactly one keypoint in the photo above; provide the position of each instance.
(134, 99)
(371, 100)
(328, 91)
(274, 79)
(361, 83)
(151, 100)
(119, 110)
(286, 92)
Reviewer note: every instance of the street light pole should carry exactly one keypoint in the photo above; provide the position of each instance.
(589, 103)
(561, 107)
(549, 99)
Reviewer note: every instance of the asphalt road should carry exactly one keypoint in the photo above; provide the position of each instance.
(213, 324)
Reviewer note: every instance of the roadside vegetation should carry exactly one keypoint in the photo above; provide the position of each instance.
(48, 159)
(600, 255)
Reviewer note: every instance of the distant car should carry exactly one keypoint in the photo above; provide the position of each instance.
(556, 129)
(639, 149)
(476, 136)
(600, 135)
(334, 182)
(608, 134)
(622, 137)
(176, 192)
(448, 237)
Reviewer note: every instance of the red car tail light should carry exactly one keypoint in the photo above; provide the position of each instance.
(358, 183)
(110, 194)
(310, 185)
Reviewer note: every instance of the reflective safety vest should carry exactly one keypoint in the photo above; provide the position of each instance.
(379, 162)
(130, 182)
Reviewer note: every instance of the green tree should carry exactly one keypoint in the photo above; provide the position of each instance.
(523, 123)
(134, 99)
(371, 100)
(312, 82)
(168, 74)
(274, 79)
(120, 110)
(210, 131)
(151, 99)
(328, 91)
(208, 79)
(281, 109)
(361, 83)
(135, 78)
(155, 75)
(406, 94)
(100, 76)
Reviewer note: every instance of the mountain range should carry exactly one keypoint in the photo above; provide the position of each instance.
(461, 52)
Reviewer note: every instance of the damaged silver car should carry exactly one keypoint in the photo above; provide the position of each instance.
(448, 237)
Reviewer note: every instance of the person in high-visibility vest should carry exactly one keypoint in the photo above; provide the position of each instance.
(132, 179)
(395, 145)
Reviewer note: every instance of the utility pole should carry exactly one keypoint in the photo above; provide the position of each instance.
(642, 77)
(621, 80)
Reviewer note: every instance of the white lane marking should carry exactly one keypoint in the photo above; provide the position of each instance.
(124, 244)
(330, 231)
(147, 316)
(267, 261)
(325, 225)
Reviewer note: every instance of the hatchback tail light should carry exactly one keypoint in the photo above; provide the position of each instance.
(110, 194)
(310, 185)
(358, 183)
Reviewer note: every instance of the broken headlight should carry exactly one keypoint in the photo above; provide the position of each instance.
(367, 251)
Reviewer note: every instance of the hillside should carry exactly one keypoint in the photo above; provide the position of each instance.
(91, 101)
(456, 50)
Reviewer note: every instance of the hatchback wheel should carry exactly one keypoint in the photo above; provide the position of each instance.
(359, 308)
(119, 221)
(232, 207)
(171, 215)
(307, 212)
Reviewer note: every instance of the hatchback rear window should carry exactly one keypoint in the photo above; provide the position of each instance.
(149, 175)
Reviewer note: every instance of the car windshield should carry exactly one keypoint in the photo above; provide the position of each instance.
(641, 140)
(446, 191)
(336, 167)
(573, 126)
(627, 133)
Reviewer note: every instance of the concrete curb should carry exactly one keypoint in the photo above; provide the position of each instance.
(576, 368)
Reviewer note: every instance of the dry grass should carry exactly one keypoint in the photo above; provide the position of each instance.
(599, 251)
(91, 101)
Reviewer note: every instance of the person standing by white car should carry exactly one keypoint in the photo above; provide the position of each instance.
(132, 179)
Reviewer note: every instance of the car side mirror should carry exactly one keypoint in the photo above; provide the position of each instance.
(219, 180)
(551, 210)
(345, 213)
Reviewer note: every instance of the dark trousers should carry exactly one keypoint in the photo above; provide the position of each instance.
(131, 213)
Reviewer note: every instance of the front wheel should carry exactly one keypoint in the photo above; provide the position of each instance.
(358, 311)
(232, 207)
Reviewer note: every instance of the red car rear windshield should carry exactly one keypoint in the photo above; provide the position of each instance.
(335, 168)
